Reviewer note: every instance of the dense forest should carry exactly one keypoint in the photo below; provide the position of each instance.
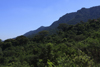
(71, 46)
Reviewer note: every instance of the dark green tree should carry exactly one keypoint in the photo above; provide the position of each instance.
(40, 36)
(62, 27)
(22, 40)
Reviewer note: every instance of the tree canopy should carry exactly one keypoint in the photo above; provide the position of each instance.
(71, 46)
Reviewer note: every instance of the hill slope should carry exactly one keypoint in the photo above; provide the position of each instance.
(71, 18)
(73, 46)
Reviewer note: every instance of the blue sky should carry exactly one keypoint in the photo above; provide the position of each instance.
(20, 16)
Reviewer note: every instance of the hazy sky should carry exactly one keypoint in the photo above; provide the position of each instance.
(20, 16)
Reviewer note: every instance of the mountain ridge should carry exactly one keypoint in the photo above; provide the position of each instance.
(83, 14)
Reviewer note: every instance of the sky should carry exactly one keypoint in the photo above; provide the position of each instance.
(20, 16)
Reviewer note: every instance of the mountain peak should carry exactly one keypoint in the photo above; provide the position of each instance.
(41, 27)
(83, 8)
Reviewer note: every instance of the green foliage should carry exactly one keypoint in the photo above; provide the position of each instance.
(50, 64)
(0, 42)
(71, 46)
(22, 40)
(1, 53)
(6, 45)
(18, 64)
(63, 27)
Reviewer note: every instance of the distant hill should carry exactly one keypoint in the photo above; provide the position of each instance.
(84, 14)
(35, 31)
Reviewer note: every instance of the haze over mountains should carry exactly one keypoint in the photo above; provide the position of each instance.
(84, 14)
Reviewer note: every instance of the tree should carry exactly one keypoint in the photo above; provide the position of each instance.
(0, 42)
(40, 36)
(1, 53)
(63, 27)
(22, 40)
(6, 45)
(43, 33)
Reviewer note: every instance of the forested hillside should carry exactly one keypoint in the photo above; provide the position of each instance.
(71, 46)
(84, 14)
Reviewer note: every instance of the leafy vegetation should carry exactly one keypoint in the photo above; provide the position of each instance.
(71, 46)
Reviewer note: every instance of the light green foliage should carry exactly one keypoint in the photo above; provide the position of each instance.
(50, 64)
